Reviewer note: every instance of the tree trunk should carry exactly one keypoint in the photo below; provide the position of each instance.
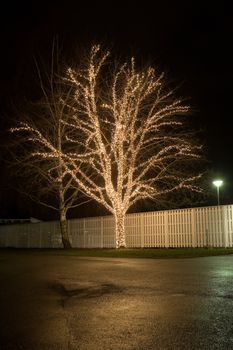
(120, 230)
(64, 232)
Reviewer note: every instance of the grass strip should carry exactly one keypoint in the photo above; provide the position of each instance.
(145, 253)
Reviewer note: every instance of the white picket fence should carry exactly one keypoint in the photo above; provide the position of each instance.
(194, 227)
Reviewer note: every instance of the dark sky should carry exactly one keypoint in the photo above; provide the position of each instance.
(191, 41)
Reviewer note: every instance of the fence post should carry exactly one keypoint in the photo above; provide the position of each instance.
(68, 232)
(193, 231)
(84, 233)
(28, 236)
(142, 229)
(101, 232)
(206, 237)
(40, 234)
(224, 227)
(166, 229)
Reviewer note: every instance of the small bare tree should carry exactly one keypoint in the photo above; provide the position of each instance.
(43, 179)
(40, 179)
(126, 133)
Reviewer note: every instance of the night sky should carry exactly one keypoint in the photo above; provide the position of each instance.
(191, 42)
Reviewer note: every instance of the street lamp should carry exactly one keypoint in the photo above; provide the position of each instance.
(218, 183)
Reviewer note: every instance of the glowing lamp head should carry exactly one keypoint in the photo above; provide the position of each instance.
(217, 183)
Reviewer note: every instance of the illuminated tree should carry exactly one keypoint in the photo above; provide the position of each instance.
(126, 133)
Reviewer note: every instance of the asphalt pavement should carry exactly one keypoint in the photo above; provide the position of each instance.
(73, 303)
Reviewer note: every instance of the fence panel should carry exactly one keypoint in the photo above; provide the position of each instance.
(228, 225)
(209, 226)
(109, 235)
(76, 229)
(133, 227)
(93, 233)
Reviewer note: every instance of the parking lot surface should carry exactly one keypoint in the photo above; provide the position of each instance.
(70, 303)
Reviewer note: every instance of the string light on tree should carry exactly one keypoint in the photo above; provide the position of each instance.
(128, 130)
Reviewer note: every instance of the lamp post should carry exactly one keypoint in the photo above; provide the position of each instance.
(218, 183)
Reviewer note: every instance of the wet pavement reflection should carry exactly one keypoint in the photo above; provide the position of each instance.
(104, 303)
